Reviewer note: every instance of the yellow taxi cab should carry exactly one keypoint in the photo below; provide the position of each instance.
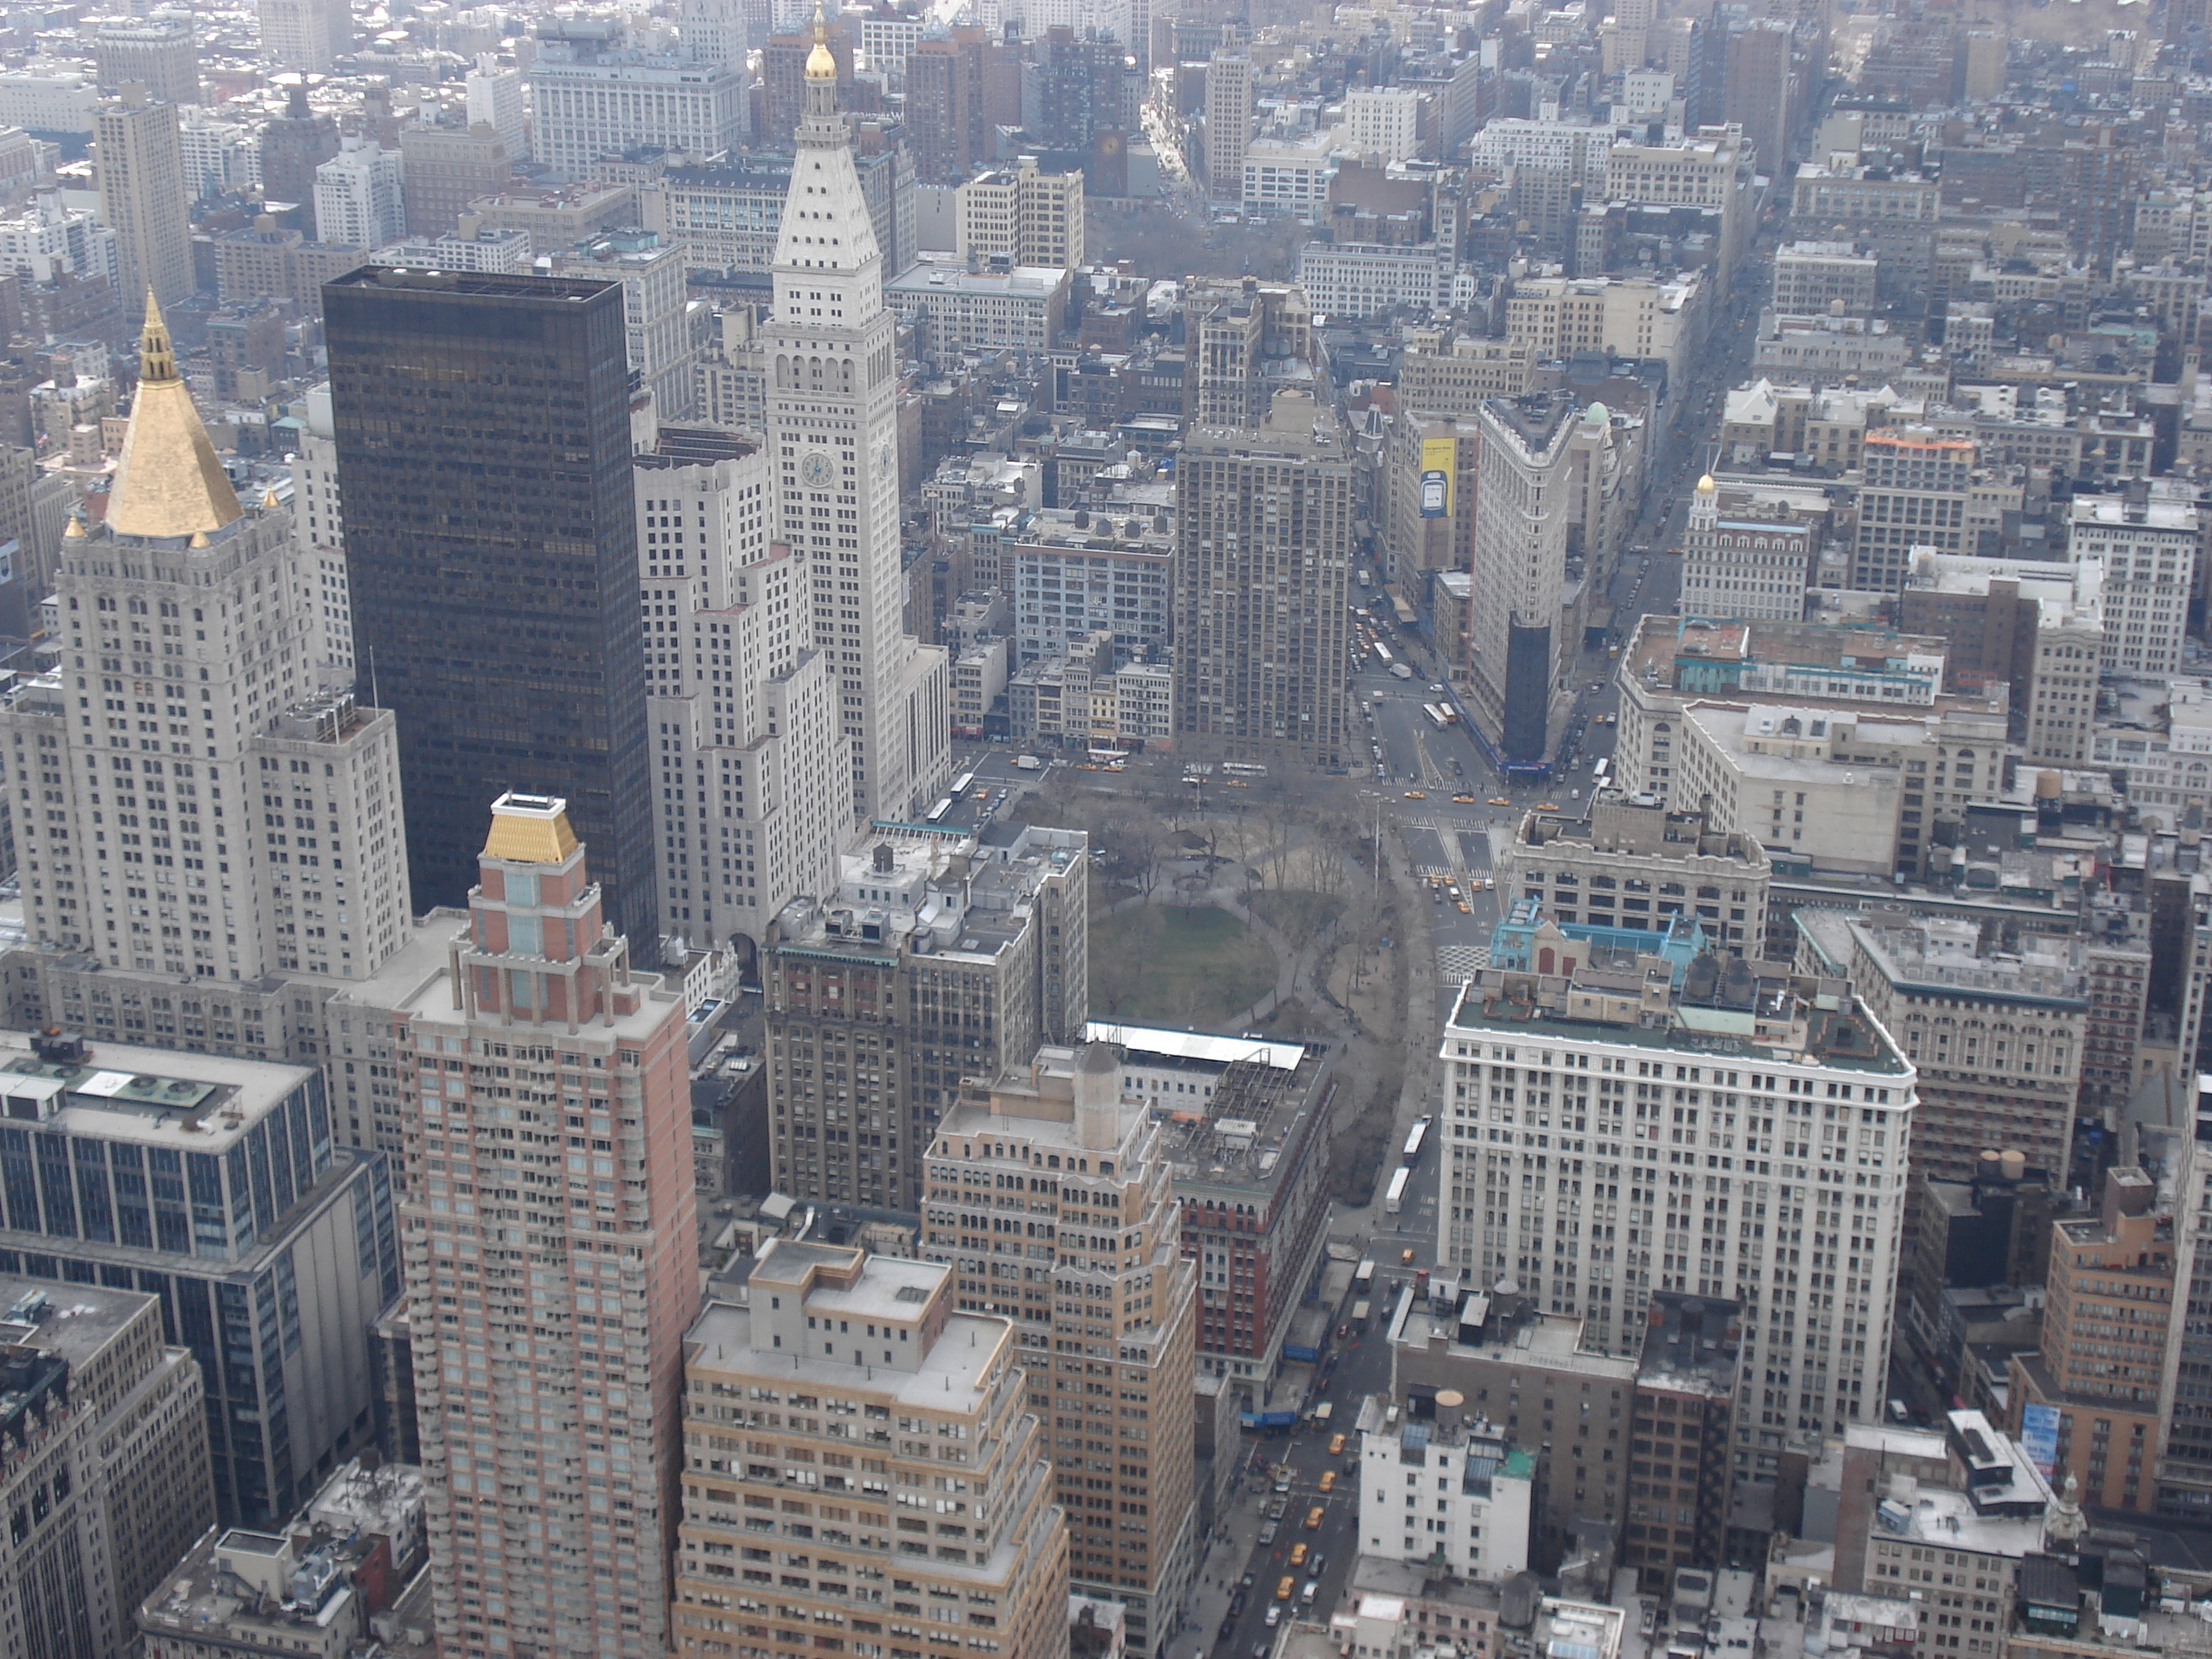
(1286, 1589)
(1500, 801)
(1407, 1259)
(1328, 1480)
(1463, 910)
(1417, 794)
(1336, 1445)
(1547, 806)
(1298, 1554)
(1463, 800)
(1313, 1517)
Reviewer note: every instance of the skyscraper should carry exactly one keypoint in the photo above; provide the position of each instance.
(1228, 124)
(142, 196)
(1915, 494)
(595, 98)
(877, 1356)
(247, 815)
(496, 100)
(293, 145)
(834, 446)
(549, 1424)
(1519, 574)
(215, 1185)
(945, 104)
(117, 1471)
(1083, 87)
(1057, 1141)
(446, 168)
(750, 807)
(358, 199)
(935, 959)
(1265, 525)
(305, 35)
(1826, 1072)
(483, 432)
(156, 53)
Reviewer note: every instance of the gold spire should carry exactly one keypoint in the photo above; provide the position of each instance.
(168, 481)
(74, 531)
(821, 65)
(269, 498)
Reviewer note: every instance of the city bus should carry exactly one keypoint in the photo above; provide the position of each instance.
(1244, 768)
(1382, 657)
(1420, 1132)
(960, 784)
(1439, 716)
(936, 814)
(1601, 769)
(1394, 1201)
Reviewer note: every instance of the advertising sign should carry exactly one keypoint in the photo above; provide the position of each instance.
(1438, 457)
(2038, 1435)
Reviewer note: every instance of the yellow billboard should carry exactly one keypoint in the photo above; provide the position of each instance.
(1439, 457)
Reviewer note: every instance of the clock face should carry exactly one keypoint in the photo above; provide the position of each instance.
(817, 468)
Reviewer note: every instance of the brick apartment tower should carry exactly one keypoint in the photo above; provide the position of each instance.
(551, 1265)
(2096, 1391)
(1107, 1309)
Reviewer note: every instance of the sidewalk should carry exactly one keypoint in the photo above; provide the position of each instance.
(1221, 1558)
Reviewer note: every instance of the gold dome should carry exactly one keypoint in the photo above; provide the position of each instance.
(1706, 486)
(821, 65)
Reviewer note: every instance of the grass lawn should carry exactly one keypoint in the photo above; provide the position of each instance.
(1174, 965)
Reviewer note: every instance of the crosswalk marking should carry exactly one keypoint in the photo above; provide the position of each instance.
(1458, 962)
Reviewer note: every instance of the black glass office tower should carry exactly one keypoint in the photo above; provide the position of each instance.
(484, 450)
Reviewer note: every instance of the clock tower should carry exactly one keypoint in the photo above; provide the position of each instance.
(832, 357)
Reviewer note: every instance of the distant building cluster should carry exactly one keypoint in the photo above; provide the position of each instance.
(605, 619)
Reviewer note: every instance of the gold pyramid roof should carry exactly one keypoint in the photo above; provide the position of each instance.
(529, 830)
(168, 481)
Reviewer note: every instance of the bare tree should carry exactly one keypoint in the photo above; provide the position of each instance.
(1145, 843)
